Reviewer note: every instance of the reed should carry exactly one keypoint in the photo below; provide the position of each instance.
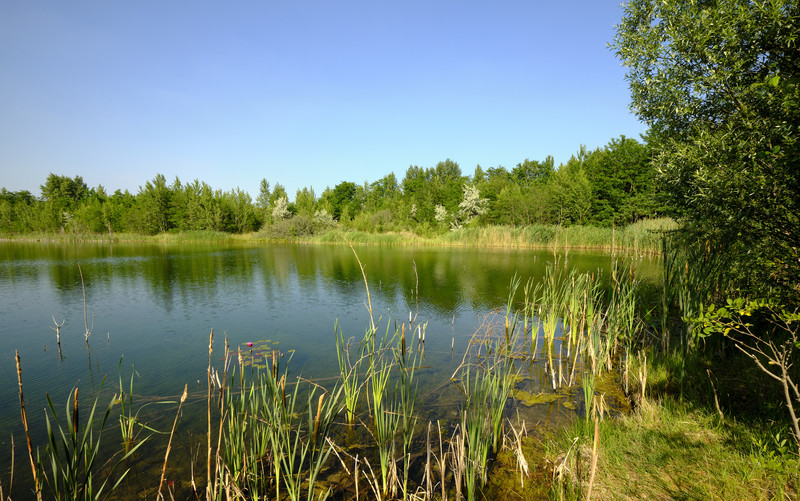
(639, 238)
(273, 430)
(70, 463)
(349, 373)
(477, 433)
(407, 389)
(588, 384)
(129, 423)
(385, 424)
(304, 447)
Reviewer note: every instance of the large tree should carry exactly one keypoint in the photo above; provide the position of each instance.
(717, 82)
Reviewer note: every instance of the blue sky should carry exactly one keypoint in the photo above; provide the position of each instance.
(302, 93)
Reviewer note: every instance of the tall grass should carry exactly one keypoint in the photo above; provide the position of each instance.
(643, 237)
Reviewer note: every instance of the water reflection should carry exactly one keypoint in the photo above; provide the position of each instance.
(156, 304)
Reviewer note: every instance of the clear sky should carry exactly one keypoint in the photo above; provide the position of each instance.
(302, 93)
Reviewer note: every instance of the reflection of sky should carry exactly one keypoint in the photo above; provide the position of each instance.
(156, 306)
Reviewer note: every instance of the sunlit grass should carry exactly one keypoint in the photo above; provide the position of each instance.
(666, 450)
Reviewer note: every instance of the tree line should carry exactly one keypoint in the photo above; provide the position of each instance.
(613, 185)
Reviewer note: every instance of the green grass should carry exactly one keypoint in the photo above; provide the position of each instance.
(641, 237)
(714, 443)
(668, 450)
(193, 236)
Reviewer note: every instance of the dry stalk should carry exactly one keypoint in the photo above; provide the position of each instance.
(458, 459)
(169, 442)
(594, 458)
(208, 434)
(522, 463)
(373, 481)
(428, 486)
(442, 461)
(36, 485)
(57, 328)
(643, 376)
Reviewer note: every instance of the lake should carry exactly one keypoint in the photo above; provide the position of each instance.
(153, 306)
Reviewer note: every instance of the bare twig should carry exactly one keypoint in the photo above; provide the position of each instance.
(27, 431)
(88, 331)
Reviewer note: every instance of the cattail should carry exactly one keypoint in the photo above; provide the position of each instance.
(317, 419)
(75, 412)
(283, 390)
(403, 338)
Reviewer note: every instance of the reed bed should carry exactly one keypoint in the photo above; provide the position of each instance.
(272, 434)
(640, 238)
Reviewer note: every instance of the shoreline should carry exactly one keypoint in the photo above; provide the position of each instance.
(642, 237)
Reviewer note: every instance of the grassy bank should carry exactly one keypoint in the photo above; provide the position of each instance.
(640, 237)
(699, 447)
(171, 237)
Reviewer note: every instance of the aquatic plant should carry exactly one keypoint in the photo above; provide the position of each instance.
(70, 461)
(349, 373)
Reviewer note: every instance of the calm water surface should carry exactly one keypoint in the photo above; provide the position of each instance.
(153, 306)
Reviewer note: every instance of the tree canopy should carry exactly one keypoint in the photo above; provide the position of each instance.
(717, 82)
(610, 185)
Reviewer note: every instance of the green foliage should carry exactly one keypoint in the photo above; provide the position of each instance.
(571, 193)
(717, 82)
(533, 193)
(340, 199)
(622, 182)
(531, 171)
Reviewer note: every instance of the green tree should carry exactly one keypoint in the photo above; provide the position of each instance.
(65, 190)
(341, 197)
(718, 82)
(532, 171)
(153, 203)
(61, 196)
(622, 181)
(242, 212)
(15, 208)
(263, 200)
(305, 201)
(570, 192)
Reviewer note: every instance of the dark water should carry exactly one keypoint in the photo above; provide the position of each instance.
(155, 305)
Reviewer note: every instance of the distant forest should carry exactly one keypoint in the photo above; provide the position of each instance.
(613, 185)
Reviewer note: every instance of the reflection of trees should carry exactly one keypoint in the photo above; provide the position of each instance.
(448, 278)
